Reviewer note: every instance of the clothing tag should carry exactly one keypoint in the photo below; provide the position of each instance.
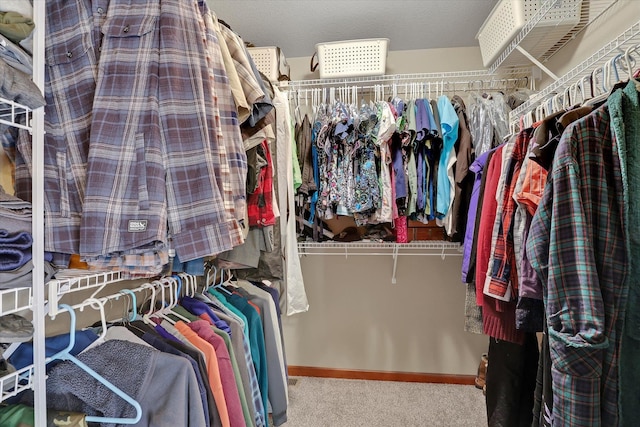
(137, 225)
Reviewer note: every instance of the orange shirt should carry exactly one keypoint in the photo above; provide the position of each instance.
(213, 372)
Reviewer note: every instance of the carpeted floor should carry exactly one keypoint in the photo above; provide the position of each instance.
(327, 402)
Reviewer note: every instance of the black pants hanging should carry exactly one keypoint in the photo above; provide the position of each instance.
(511, 382)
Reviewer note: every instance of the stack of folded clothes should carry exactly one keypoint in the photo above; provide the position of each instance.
(16, 84)
(15, 242)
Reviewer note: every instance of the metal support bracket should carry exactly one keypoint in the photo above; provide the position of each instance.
(536, 62)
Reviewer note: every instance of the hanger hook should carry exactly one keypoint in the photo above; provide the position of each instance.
(134, 305)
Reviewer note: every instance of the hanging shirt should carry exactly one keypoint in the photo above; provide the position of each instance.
(256, 339)
(502, 275)
(475, 207)
(577, 245)
(213, 370)
(387, 127)
(449, 124)
(231, 394)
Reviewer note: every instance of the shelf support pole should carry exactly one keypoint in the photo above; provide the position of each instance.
(395, 264)
(536, 62)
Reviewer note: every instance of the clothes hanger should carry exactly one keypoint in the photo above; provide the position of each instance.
(133, 313)
(173, 301)
(209, 279)
(629, 63)
(221, 283)
(65, 354)
(146, 318)
(189, 282)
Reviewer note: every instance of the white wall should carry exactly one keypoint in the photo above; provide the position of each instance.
(358, 320)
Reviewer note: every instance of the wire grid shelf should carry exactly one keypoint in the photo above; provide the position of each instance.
(532, 31)
(16, 382)
(15, 300)
(415, 248)
(630, 37)
(399, 79)
(14, 114)
(76, 281)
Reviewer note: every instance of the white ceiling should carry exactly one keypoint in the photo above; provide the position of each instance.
(297, 25)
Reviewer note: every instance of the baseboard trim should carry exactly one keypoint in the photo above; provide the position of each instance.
(310, 371)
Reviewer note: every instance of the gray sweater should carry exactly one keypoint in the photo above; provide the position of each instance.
(164, 385)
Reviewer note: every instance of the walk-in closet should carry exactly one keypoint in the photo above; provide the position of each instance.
(319, 213)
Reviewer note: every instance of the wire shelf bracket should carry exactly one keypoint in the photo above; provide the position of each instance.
(604, 54)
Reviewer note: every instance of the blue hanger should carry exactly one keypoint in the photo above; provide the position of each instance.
(66, 355)
(134, 309)
(179, 288)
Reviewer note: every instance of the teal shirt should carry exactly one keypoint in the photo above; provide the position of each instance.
(449, 122)
(256, 340)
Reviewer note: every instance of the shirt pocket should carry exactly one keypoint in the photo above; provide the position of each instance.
(571, 352)
(130, 24)
(129, 39)
(68, 51)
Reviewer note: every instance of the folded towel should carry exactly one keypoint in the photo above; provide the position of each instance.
(20, 240)
(11, 259)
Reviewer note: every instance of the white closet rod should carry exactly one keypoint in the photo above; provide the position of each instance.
(399, 79)
(616, 46)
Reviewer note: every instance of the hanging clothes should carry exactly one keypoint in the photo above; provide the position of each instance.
(580, 232)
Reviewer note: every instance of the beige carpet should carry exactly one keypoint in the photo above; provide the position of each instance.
(324, 402)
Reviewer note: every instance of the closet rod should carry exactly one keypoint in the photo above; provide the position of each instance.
(433, 86)
(450, 76)
(616, 46)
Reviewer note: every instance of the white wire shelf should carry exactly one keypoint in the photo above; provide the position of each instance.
(590, 11)
(16, 382)
(15, 300)
(466, 77)
(630, 37)
(14, 114)
(70, 281)
(415, 248)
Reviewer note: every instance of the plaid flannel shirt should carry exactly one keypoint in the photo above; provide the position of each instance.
(502, 272)
(576, 245)
(155, 164)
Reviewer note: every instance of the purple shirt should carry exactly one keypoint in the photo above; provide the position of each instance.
(476, 167)
(198, 308)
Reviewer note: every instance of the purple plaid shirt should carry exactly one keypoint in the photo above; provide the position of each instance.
(142, 149)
